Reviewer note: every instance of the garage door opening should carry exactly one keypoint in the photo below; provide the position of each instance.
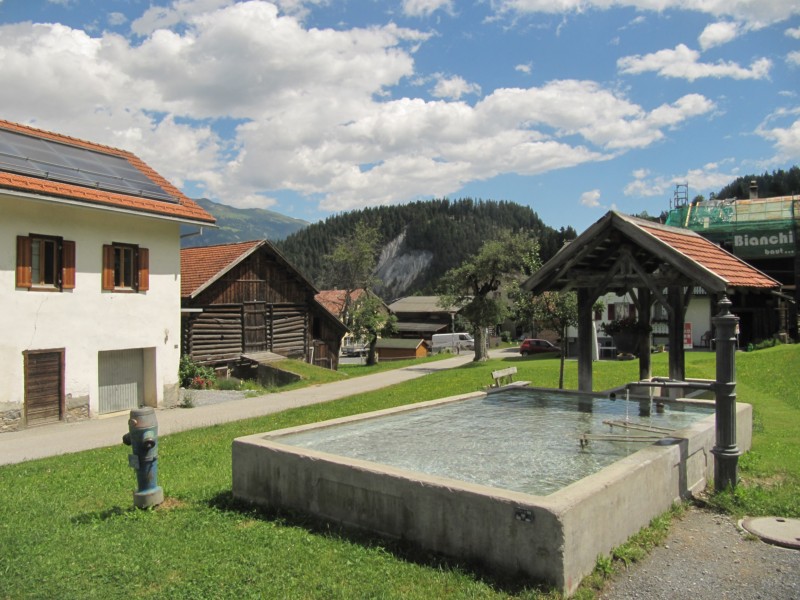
(121, 380)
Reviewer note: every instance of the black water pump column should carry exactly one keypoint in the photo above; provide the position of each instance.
(725, 451)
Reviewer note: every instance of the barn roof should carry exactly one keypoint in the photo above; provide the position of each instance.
(419, 304)
(202, 266)
(620, 252)
(333, 300)
(51, 166)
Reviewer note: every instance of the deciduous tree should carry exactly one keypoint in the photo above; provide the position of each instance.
(477, 286)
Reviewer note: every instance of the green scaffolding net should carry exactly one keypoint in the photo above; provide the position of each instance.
(757, 228)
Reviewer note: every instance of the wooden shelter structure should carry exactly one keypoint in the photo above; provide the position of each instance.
(245, 299)
(652, 262)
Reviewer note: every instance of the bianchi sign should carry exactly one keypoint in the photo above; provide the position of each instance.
(763, 244)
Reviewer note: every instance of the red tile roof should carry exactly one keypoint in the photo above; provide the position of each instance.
(202, 265)
(333, 300)
(706, 253)
(184, 209)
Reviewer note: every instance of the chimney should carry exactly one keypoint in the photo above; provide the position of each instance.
(753, 190)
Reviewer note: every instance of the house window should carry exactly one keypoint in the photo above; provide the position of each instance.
(126, 268)
(45, 263)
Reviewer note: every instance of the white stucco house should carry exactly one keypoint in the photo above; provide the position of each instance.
(89, 279)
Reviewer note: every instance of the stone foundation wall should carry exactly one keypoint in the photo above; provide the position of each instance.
(10, 418)
(11, 415)
(77, 409)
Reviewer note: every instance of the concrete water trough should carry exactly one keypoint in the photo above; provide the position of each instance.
(465, 476)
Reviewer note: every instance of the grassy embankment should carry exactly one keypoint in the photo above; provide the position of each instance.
(67, 528)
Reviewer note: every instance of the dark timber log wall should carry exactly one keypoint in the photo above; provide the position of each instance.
(259, 305)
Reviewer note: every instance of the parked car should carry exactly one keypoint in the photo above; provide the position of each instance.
(452, 341)
(536, 346)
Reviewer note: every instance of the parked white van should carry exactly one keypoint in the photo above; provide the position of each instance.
(453, 341)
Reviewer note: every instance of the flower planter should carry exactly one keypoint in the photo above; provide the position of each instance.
(627, 342)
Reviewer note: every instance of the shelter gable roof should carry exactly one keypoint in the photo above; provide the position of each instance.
(620, 251)
(182, 208)
(703, 251)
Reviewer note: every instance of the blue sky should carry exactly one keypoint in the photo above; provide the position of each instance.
(314, 107)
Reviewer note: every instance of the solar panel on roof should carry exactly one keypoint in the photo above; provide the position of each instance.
(47, 159)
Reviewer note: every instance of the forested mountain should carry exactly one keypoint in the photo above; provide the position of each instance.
(240, 225)
(421, 240)
(777, 183)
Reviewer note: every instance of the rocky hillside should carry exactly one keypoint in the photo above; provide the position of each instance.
(421, 240)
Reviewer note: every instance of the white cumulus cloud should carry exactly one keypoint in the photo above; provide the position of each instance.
(590, 198)
(244, 101)
(424, 8)
(705, 179)
(787, 138)
(453, 87)
(684, 63)
(717, 34)
(757, 13)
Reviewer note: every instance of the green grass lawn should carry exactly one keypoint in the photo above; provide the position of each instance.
(68, 529)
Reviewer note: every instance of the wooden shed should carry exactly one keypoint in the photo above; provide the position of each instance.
(397, 349)
(246, 298)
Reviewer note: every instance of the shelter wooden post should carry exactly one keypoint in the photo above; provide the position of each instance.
(623, 253)
(645, 301)
(585, 325)
(677, 362)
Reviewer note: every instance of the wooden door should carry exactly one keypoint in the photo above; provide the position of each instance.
(44, 386)
(255, 327)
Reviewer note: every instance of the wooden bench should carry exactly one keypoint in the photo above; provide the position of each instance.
(504, 376)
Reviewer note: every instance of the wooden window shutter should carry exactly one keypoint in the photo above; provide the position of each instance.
(611, 312)
(108, 267)
(67, 265)
(23, 261)
(144, 269)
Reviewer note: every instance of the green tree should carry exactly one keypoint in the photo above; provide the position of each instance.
(350, 268)
(475, 286)
(371, 320)
(558, 311)
(351, 264)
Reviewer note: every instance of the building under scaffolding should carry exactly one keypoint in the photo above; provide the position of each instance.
(763, 232)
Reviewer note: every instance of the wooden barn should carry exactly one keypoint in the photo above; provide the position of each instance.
(245, 299)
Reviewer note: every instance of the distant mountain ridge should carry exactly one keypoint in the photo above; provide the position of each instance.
(240, 225)
(420, 241)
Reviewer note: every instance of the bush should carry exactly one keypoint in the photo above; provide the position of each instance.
(764, 344)
(194, 376)
(505, 336)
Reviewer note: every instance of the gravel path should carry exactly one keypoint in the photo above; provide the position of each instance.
(707, 557)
